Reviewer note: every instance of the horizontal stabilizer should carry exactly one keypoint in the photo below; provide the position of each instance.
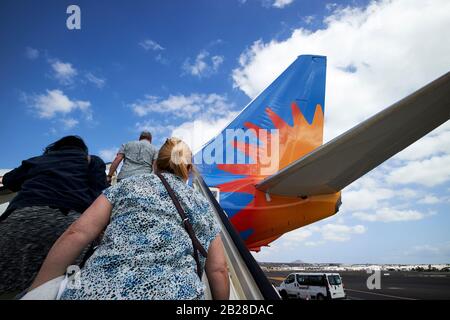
(336, 164)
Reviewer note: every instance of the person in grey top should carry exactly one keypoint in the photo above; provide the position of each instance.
(137, 157)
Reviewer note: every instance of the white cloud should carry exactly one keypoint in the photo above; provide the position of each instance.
(428, 172)
(64, 72)
(407, 193)
(366, 198)
(97, 81)
(299, 235)
(31, 53)
(372, 192)
(331, 6)
(430, 199)
(427, 250)
(334, 232)
(291, 243)
(109, 154)
(204, 115)
(184, 106)
(371, 198)
(281, 3)
(148, 44)
(161, 59)
(388, 46)
(199, 131)
(390, 215)
(308, 19)
(314, 243)
(216, 62)
(338, 232)
(153, 127)
(69, 123)
(381, 54)
(55, 102)
(376, 56)
(203, 66)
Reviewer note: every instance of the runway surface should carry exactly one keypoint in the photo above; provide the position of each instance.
(394, 285)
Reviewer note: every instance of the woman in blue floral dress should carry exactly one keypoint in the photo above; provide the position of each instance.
(145, 252)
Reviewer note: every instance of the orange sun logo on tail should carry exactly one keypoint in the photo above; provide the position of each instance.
(294, 141)
(279, 147)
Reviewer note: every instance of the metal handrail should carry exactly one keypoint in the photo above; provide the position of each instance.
(247, 279)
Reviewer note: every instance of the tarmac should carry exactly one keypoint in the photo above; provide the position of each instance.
(394, 285)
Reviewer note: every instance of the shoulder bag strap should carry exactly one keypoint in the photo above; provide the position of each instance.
(187, 225)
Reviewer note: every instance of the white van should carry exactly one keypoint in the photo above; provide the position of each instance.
(313, 286)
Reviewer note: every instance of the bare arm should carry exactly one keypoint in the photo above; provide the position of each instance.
(217, 271)
(115, 164)
(72, 242)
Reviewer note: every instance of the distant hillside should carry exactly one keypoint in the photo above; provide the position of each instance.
(298, 261)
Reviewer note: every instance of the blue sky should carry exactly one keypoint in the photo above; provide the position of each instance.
(135, 66)
(107, 46)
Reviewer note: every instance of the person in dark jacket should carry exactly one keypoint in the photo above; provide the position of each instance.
(52, 191)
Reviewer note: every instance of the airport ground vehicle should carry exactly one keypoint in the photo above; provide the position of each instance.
(312, 286)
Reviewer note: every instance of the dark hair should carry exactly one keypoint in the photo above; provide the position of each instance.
(145, 135)
(67, 142)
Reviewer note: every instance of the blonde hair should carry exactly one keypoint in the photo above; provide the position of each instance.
(175, 156)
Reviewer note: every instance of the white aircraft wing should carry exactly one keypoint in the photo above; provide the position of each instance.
(336, 164)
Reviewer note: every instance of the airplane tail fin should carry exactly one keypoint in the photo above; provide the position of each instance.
(279, 126)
